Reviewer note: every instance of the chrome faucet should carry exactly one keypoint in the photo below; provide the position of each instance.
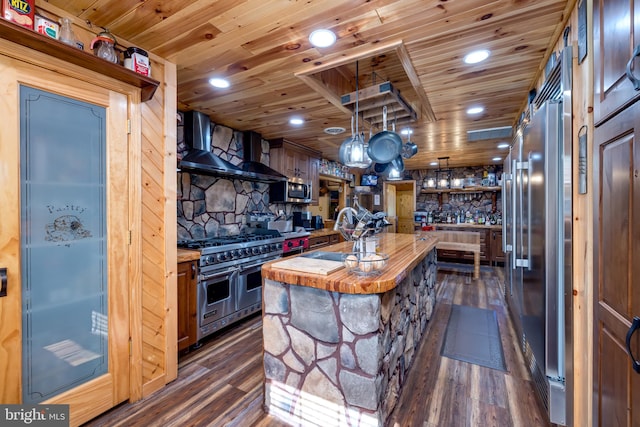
(342, 212)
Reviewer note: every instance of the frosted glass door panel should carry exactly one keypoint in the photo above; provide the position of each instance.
(63, 207)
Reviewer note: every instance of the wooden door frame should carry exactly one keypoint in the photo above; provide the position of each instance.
(134, 258)
(389, 202)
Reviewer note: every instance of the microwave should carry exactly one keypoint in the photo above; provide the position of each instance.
(294, 190)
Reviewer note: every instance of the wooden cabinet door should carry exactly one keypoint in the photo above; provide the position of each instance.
(496, 253)
(290, 163)
(616, 268)
(616, 35)
(314, 179)
(64, 240)
(187, 304)
(302, 166)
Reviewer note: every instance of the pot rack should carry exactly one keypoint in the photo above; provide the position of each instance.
(370, 101)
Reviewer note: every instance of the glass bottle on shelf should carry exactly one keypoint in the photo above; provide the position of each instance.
(66, 32)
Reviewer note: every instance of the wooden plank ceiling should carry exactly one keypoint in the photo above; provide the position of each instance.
(262, 47)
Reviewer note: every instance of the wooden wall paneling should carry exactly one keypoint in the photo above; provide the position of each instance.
(11, 304)
(169, 148)
(159, 364)
(583, 283)
(135, 250)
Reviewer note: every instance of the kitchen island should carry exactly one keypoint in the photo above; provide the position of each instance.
(337, 347)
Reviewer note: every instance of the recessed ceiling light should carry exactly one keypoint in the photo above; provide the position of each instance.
(433, 163)
(497, 159)
(406, 132)
(296, 121)
(503, 145)
(476, 56)
(475, 110)
(322, 38)
(219, 83)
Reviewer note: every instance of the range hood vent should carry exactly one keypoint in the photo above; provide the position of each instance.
(200, 160)
(252, 144)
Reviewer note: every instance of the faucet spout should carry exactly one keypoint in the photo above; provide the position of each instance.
(348, 210)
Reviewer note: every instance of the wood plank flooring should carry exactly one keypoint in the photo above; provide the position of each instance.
(220, 384)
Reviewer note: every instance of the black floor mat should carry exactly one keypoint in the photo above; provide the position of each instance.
(472, 335)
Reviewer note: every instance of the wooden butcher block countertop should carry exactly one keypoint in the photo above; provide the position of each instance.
(185, 255)
(405, 252)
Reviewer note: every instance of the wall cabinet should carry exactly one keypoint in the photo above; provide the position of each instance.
(187, 304)
(294, 160)
(297, 161)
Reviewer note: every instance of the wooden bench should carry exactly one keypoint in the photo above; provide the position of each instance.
(465, 241)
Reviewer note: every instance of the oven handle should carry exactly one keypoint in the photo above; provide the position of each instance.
(258, 264)
(218, 274)
(294, 251)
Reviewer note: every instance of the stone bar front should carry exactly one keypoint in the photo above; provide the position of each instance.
(339, 358)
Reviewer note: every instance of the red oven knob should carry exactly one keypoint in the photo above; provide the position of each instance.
(289, 244)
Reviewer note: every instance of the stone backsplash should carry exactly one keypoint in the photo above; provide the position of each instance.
(471, 202)
(346, 355)
(211, 206)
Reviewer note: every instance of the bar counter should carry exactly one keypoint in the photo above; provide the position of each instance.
(337, 347)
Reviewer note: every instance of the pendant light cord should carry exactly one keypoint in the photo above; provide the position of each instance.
(357, 90)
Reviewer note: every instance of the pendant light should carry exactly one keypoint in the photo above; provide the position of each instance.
(356, 151)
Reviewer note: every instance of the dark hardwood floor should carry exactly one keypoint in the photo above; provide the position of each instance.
(220, 384)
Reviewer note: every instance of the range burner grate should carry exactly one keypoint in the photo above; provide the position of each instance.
(257, 236)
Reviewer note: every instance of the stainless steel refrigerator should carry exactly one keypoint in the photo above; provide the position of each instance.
(537, 230)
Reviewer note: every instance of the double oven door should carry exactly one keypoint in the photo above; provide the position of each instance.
(217, 299)
(228, 295)
(250, 287)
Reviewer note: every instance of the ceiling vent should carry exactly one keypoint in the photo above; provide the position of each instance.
(335, 130)
(504, 132)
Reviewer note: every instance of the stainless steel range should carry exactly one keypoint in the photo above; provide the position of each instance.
(229, 279)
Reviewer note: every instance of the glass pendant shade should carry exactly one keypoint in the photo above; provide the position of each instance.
(356, 150)
(356, 153)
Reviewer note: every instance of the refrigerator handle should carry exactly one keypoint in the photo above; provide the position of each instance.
(524, 262)
(505, 177)
(513, 215)
(634, 326)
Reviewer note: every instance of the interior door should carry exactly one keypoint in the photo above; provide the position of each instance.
(616, 269)
(64, 327)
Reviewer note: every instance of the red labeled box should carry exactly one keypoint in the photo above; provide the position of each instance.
(19, 11)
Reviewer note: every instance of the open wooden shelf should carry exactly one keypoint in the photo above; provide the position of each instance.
(31, 39)
(460, 190)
